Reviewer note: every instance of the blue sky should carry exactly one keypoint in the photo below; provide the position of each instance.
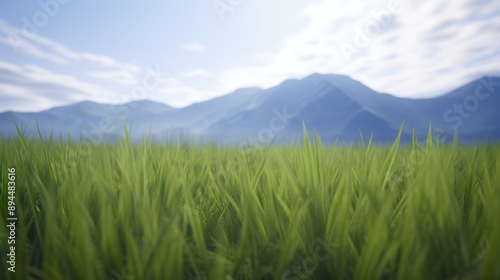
(57, 52)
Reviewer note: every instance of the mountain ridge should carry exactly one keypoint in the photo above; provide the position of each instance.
(336, 106)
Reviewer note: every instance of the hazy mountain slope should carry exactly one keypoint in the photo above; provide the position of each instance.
(324, 103)
(82, 117)
(335, 106)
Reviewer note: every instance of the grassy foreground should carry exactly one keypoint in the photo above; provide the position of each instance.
(176, 211)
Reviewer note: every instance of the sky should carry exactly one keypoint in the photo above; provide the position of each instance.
(58, 52)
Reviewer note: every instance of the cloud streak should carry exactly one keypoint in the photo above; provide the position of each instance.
(198, 73)
(40, 88)
(44, 48)
(98, 78)
(427, 49)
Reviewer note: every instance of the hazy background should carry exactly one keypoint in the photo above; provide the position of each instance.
(56, 53)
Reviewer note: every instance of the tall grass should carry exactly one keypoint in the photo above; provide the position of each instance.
(175, 211)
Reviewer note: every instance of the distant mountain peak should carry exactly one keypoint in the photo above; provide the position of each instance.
(337, 106)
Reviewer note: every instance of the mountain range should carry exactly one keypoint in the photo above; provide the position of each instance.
(337, 107)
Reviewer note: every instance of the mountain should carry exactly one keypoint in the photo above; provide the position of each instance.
(80, 117)
(471, 109)
(338, 107)
(331, 104)
(335, 106)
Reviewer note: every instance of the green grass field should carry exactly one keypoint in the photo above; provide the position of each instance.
(174, 211)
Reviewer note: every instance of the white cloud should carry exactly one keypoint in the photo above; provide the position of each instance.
(13, 90)
(26, 85)
(175, 93)
(428, 48)
(198, 73)
(122, 77)
(194, 47)
(44, 48)
(26, 47)
(34, 84)
(182, 96)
